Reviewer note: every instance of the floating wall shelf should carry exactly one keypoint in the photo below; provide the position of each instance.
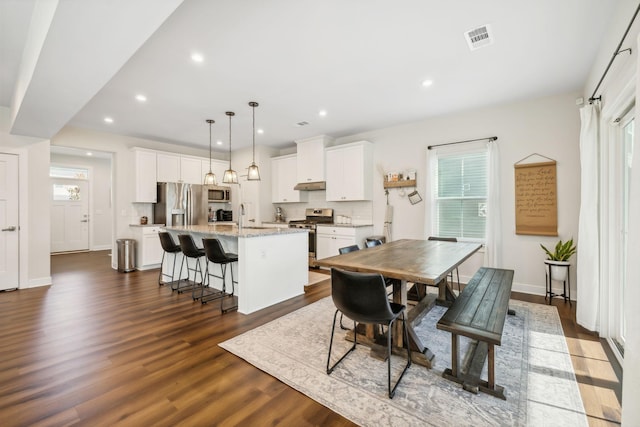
(397, 184)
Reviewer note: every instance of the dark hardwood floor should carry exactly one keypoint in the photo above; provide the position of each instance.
(104, 348)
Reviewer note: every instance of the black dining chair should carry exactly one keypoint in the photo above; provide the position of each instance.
(448, 239)
(342, 251)
(372, 243)
(348, 249)
(362, 297)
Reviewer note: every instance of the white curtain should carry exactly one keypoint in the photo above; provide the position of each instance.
(588, 244)
(493, 253)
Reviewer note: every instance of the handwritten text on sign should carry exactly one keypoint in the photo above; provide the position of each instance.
(536, 199)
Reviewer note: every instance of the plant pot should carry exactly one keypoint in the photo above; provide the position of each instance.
(559, 269)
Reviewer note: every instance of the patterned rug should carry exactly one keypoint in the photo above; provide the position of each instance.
(533, 365)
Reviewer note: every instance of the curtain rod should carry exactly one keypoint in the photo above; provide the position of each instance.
(490, 139)
(615, 54)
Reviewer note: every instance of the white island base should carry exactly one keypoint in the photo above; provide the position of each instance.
(272, 263)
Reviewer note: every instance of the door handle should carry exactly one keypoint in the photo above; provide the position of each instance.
(12, 228)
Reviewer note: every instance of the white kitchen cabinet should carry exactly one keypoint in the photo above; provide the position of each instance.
(148, 248)
(350, 172)
(191, 170)
(168, 167)
(331, 238)
(310, 158)
(283, 178)
(145, 176)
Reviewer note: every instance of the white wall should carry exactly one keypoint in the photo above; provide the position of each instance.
(34, 209)
(547, 126)
(100, 214)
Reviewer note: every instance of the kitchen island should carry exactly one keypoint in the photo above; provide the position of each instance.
(272, 262)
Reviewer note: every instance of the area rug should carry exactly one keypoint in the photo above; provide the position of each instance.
(532, 364)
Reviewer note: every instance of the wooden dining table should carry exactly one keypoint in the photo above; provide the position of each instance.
(423, 262)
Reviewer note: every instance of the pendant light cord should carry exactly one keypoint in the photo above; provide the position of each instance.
(209, 146)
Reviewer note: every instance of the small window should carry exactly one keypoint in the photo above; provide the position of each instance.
(68, 172)
(460, 195)
(66, 192)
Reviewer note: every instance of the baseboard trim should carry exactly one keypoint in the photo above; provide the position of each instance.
(34, 283)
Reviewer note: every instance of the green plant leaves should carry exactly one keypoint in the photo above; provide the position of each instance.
(562, 251)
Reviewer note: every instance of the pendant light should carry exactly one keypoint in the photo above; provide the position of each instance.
(230, 176)
(253, 173)
(210, 178)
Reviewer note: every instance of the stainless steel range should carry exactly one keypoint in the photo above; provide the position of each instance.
(313, 216)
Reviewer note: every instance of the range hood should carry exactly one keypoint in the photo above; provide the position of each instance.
(311, 186)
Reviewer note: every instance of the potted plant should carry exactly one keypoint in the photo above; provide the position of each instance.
(559, 259)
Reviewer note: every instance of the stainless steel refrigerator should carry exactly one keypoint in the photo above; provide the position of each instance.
(180, 204)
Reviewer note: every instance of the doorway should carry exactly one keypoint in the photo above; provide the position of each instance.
(69, 215)
(9, 260)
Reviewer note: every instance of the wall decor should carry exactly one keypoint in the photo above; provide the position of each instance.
(536, 205)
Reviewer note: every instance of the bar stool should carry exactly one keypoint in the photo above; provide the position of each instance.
(168, 247)
(190, 250)
(216, 255)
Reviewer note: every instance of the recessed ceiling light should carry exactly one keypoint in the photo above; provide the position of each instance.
(108, 120)
(427, 83)
(197, 57)
(260, 131)
(89, 153)
(219, 142)
(141, 97)
(322, 113)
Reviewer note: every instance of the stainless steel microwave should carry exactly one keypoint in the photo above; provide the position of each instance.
(219, 194)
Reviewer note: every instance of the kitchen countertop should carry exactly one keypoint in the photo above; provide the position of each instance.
(232, 230)
(146, 225)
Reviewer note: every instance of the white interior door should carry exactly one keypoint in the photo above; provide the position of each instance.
(69, 215)
(9, 259)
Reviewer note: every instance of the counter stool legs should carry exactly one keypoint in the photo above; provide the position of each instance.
(190, 250)
(216, 255)
(163, 274)
(220, 294)
(168, 247)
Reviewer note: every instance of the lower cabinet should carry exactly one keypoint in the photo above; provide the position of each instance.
(148, 248)
(330, 238)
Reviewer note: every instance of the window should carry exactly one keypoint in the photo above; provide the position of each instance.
(460, 190)
(68, 172)
(66, 192)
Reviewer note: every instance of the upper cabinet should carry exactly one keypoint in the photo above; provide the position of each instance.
(168, 168)
(284, 177)
(350, 172)
(145, 176)
(310, 158)
(191, 170)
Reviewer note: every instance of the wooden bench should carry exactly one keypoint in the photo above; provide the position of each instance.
(479, 313)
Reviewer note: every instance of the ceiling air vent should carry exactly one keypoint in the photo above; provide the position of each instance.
(303, 123)
(479, 37)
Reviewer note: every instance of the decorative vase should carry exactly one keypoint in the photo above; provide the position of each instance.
(559, 269)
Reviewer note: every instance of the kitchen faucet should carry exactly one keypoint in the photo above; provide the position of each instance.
(240, 216)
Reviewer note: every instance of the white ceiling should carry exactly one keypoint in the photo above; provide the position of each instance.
(362, 61)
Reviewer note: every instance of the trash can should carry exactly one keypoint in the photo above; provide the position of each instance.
(371, 238)
(126, 255)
